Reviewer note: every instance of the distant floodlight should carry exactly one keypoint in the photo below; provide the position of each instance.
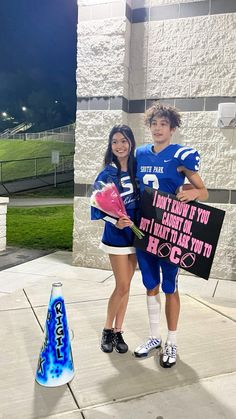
(24, 108)
(4, 114)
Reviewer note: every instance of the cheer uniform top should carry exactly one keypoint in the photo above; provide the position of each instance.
(159, 171)
(114, 240)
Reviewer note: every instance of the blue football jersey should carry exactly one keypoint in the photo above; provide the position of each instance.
(159, 170)
(112, 236)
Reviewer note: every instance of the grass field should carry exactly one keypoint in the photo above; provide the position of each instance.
(18, 150)
(40, 227)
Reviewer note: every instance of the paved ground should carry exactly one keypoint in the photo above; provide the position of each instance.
(35, 202)
(13, 187)
(201, 386)
(14, 256)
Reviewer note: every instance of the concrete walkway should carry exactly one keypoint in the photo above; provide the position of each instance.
(29, 184)
(35, 202)
(201, 386)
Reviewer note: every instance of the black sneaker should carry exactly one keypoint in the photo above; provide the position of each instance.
(119, 343)
(107, 340)
(168, 356)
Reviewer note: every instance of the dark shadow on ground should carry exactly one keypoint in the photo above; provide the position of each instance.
(14, 256)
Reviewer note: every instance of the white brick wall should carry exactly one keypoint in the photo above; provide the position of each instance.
(103, 57)
(103, 63)
(184, 57)
(224, 266)
(87, 237)
(136, 4)
(92, 130)
(165, 2)
(138, 60)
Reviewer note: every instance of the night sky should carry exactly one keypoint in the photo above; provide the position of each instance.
(37, 49)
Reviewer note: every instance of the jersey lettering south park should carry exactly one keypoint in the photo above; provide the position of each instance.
(159, 170)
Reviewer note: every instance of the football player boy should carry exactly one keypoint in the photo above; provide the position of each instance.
(165, 166)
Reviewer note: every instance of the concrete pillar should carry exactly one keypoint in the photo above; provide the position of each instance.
(3, 214)
(102, 91)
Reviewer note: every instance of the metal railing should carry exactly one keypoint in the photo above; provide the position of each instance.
(63, 134)
(10, 132)
(11, 170)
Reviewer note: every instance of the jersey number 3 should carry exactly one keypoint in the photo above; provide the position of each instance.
(151, 181)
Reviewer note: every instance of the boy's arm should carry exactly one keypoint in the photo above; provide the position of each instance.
(198, 190)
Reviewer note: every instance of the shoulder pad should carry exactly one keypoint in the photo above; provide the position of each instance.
(188, 157)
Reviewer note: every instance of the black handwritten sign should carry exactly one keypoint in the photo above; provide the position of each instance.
(184, 234)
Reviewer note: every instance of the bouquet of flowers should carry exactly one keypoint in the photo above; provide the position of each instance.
(106, 198)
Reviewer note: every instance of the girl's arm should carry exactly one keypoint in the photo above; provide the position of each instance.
(198, 190)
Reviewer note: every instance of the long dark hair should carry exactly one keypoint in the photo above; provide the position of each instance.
(111, 158)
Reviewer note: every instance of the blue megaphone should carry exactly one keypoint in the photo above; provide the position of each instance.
(55, 364)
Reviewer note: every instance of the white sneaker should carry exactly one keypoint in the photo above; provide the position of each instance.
(145, 348)
(168, 356)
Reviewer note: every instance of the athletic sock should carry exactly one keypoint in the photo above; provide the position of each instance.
(154, 313)
(172, 337)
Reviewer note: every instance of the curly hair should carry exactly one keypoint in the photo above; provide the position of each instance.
(163, 111)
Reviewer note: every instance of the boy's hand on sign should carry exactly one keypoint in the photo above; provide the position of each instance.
(193, 190)
(187, 193)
